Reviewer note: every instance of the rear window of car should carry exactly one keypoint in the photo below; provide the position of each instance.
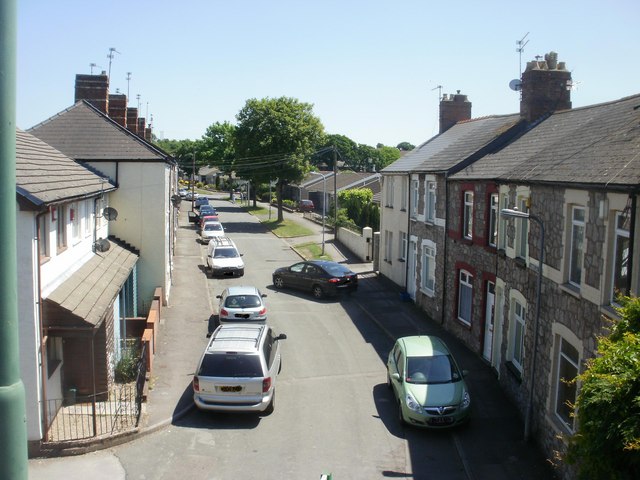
(225, 252)
(336, 269)
(230, 365)
(242, 301)
(212, 226)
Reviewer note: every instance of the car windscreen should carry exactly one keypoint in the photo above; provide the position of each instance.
(212, 226)
(242, 301)
(225, 252)
(230, 365)
(431, 369)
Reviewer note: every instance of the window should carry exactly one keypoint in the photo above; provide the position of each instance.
(61, 228)
(43, 237)
(430, 202)
(402, 254)
(404, 198)
(414, 198)
(566, 389)
(517, 336)
(54, 354)
(389, 191)
(465, 296)
(620, 256)
(74, 218)
(577, 245)
(502, 226)
(428, 280)
(388, 245)
(87, 216)
(467, 221)
(492, 237)
(522, 231)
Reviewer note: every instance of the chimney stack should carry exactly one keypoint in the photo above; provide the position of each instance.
(118, 108)
(94, 89)
(545, 88)
(132, 120)
(453, 109)
(141, 127)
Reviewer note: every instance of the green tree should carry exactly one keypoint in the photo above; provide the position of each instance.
(274, 139)
(405, 146)
(346, 151)
(182, 151)
(359, 207)
(607, 440)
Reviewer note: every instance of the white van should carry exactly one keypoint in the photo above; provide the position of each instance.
(223, 257)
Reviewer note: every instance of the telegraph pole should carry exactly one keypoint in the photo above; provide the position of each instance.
(13, 428)
(335, 192)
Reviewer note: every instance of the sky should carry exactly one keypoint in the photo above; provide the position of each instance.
(373, 70)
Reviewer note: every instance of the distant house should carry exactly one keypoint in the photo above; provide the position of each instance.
(75, 282)
(146, 178)
(209, 175)
(315, 186)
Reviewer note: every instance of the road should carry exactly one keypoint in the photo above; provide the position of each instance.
(334, 413)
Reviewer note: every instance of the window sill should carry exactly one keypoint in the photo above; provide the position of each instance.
(520, 262)
(570, 289)
(610, 311)
(513, 370)
(428, 293)
(464, 323)
(401, 260)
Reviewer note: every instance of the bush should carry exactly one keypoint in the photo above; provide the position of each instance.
(289, 204)
(127, 367)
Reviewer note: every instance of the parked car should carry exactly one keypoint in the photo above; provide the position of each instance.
(242, 303)
(427, 383)
(306, 206)
(191, 195)
(202, 219)
(182, 192)
(320, 277)
(200, 201)
(238, 369)
(211, 229)
(207, 210)
(223, 257)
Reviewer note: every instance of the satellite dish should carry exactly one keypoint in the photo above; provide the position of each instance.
(102, 245)
(176, 200)
(515, 84)
(110, 213)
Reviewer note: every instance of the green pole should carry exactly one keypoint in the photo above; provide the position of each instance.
(13, 430)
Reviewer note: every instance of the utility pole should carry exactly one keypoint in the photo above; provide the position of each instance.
(335, 193)
(13, 419)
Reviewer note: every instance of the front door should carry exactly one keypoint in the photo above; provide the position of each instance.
(411, 273)
(489, 320)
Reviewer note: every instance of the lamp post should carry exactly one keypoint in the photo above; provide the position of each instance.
(514, 213)
(324, 202)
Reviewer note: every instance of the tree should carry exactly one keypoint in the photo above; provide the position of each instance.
(359, 207)
(274, 139)
(607, 440)
(218, 146)
(346, 152)
(182, 151)
(405, 146)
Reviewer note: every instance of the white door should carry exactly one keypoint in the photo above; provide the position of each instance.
(411, 277)
(489, 320)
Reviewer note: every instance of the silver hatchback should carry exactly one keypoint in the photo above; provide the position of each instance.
(242, 303)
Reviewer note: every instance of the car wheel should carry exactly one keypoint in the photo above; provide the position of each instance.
(272, 405)
(278, 282)
(317, 292)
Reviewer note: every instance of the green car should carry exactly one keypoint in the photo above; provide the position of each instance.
(427, 383)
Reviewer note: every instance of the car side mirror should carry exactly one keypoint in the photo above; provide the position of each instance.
(395, 376)
(264, 295)
(242, 254)
(218, 296)
(282, 336)
(208, 334)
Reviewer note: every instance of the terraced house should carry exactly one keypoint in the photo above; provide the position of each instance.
(557, 184)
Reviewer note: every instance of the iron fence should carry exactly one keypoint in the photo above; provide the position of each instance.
(80, 417)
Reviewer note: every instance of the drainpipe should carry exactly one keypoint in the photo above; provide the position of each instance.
(13, 418)
(632, 229)
(44, 338)
(444, 243)
(406, 263)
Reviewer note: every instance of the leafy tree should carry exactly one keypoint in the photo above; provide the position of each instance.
(346, 151)
(218, 145)
(359, 207)
(182, 151)
(607, 440)
(274, 139)
(405, 146)
(386, 156)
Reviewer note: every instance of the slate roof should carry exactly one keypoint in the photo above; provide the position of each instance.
(45, 176)
(448, 149)
(598, 144)
(84, 298)
(84, 133)
(347, 180)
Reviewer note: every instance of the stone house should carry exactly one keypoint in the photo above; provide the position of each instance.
(146, 178)
(75, 281)
(574, 174)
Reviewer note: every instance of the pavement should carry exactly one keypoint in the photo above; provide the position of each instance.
(170, 396)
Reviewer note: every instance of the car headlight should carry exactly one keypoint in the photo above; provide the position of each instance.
(466, 400)
(412, 404)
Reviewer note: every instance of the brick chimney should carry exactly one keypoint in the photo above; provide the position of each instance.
(94, 89)
(453, 109)
(132, 120)
(118, 108)
(141, 126)
(545, 87)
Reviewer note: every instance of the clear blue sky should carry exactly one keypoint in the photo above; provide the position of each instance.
(370, 68)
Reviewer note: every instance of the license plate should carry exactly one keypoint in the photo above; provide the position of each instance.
(231, 389)
(441, 420)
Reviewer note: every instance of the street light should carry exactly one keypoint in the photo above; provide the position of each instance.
(324, 201)
(514, 213)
